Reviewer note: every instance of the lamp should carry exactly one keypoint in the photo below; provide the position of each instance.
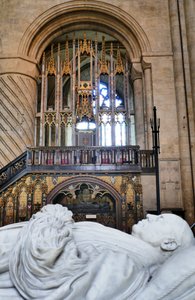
(85, 124)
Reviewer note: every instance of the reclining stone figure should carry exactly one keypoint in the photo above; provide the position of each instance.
(52, 257)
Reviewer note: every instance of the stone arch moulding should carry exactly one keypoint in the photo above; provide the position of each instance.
(73, 15)
(90, 180)
(83, 179)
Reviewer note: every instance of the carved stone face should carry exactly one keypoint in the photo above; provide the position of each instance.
(156, 229)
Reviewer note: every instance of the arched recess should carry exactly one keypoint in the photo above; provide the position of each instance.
(99, 187)
(74, 15)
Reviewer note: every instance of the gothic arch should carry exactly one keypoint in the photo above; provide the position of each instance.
(83, 179)
(90, 180)
(74, 15)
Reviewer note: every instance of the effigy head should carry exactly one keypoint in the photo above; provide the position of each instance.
(167, 231)
(56, 211)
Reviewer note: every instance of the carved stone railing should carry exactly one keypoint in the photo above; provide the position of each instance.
(83, 155)
(78, 159)
(146, 160)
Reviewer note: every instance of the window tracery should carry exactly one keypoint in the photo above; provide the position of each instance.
(86, 85)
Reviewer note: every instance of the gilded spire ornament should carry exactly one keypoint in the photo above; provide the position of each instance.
(85, 46)
(119, 64)
(67, 66)
(51, 69)
(103, 62)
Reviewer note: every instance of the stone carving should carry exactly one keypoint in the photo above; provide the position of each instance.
(52, 257)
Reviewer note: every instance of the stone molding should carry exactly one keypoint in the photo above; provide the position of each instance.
(74, 15)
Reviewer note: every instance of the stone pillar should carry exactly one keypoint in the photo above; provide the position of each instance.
(17, 108)
(136, 77)
(189, 7)
(148, 102)
(184, 110)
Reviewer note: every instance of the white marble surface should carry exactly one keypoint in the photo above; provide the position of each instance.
(51, 257)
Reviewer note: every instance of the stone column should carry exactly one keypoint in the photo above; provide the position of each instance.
(136, 77)
(189, 8)
(148, 102)
(17, 107)
(184, 110)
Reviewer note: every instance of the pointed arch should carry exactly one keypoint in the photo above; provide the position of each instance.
(74, 181)
(83, 179)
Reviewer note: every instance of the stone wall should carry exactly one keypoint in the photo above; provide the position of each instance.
(160, 33)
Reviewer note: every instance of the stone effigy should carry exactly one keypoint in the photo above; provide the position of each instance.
(51, 257)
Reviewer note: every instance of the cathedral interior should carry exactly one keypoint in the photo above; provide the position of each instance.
(80, 85)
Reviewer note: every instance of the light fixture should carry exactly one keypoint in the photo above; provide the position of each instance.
(85, 124)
